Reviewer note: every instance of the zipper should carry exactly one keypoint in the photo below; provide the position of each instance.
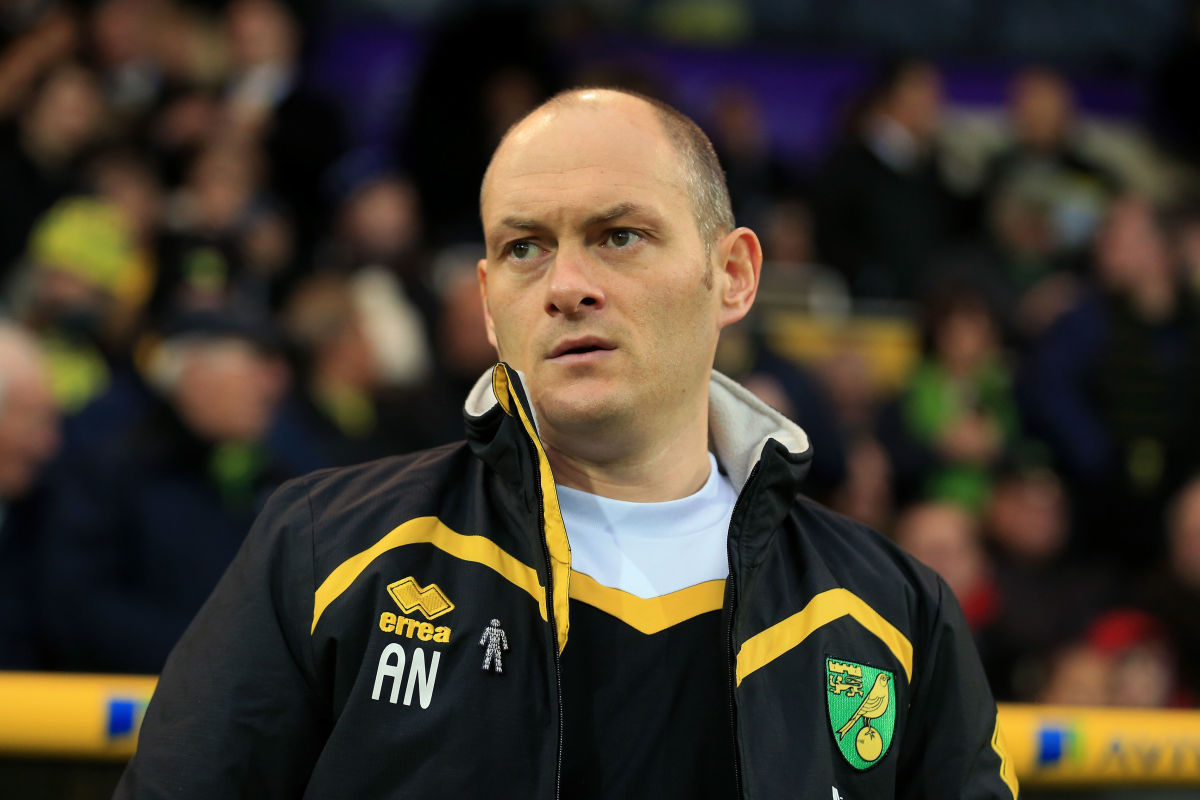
(732, 658)
(553, 624)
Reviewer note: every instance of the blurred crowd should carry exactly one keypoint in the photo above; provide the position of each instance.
(207, 288)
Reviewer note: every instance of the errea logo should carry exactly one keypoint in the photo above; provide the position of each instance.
(430, 601)
(394, 661)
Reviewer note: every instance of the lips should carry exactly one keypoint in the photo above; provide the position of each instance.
(581, 346)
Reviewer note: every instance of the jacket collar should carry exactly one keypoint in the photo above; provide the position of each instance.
(744, 433)
(740, 425)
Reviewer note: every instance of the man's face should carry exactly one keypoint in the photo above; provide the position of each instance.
(29, 432)
(229, 390)
(595, 280)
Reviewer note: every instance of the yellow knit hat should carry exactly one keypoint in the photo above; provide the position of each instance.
(90, 239)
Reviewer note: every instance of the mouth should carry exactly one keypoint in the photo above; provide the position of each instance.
(582, 346)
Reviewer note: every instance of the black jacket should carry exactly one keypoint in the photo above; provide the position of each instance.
(340, 656)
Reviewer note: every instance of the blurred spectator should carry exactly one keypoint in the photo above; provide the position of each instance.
(123, 38)
(342, 410)
(1172, 592)
(1018, 262)
(40, 153)
(1027, 517)
(301, 132)
(847, 377)
(1079, 675)
(186, 120)
(754, 173)
(1044, 599)
(1035, 288)
(378, 221)
(378, 240)
(128, 181)
(467, 95)
(142, 525)
(791, 276)
(1144, 671)
(957, 416)
(463, 351)
(29, 437)
(1045, 165)
(866, 493)
(33, 37)
(883, 208)
(190, 45)
(1113, 387)
(28, 415)
(946, 538)
(86, 281)
(332, 405)
(225, 235)
(1124, 659)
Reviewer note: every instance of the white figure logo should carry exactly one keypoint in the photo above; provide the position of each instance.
(494, 640)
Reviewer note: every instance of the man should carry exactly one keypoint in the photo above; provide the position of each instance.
(145, 519)
(675, 622)
(883, 208)
(29, 439)
(1112, 388)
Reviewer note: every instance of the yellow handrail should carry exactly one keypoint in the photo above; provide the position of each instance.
(72, 715)
(97, 717)
(1069, 745)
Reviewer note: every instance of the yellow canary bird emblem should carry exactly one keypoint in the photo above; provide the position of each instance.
(873, 706)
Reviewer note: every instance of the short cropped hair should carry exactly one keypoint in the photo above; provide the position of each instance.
(704, 179)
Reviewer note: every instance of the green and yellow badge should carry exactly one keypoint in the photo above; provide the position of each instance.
(862, 710)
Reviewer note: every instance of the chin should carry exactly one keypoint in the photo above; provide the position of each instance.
(580, 408)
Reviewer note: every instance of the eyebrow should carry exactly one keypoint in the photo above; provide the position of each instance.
(615, 212)
(520, 223)
(607, 215)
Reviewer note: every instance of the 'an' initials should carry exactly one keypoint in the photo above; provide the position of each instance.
(391, 665)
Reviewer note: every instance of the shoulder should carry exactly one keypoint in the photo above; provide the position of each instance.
(864, 561)
(384, 481)
(316, 522)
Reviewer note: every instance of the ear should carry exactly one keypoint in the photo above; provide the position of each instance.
(481, 272)
(738, 268)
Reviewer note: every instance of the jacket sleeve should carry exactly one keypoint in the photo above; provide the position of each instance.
(952, 745)
(235, 713)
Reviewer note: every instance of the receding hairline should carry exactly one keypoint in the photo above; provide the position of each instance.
(578, 98)
(696, 159)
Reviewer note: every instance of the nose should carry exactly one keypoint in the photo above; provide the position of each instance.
(573, 283)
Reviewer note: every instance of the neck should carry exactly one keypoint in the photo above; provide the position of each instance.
(668, 467)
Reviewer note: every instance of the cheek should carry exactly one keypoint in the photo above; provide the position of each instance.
(510, 334)
(684, 320)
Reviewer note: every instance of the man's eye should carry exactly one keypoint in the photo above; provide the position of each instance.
(523, 251)
(622, 238)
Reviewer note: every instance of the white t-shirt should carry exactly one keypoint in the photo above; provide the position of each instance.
(651, 549)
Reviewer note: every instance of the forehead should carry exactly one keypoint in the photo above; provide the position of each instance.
(585, 156)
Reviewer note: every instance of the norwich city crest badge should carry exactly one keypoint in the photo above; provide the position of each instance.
(862, 710)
